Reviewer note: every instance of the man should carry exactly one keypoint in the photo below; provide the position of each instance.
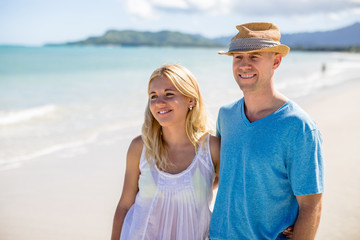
(271, 171)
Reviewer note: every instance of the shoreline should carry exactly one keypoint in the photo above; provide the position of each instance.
(72, 194)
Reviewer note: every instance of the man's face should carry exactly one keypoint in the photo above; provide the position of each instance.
(254, 71)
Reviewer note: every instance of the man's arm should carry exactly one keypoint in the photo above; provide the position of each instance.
(308, 219)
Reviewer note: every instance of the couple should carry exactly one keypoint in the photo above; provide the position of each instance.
(271, 172)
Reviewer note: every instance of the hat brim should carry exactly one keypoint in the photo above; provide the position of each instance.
(282, 49)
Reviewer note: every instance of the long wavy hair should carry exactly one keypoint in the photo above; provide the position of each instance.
(196, 119)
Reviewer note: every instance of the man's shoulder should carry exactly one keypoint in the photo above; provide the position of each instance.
(296, 115)
(231, 106)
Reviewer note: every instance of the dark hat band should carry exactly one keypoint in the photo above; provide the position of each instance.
(251, 44)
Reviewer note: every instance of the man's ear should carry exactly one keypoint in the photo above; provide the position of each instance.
(277, 60)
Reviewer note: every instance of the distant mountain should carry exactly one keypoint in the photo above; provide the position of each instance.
(136, 38)
(337, 39)
(225, 40)
(341, 39)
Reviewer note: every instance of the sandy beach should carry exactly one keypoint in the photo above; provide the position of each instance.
(338, 116)
(72, 194)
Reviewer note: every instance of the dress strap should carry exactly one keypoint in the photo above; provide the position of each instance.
(204, 151)
(143, 161)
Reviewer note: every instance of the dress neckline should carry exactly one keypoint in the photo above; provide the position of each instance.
(188, 168)
(174, 175)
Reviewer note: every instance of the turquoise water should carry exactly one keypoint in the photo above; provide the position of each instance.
(52, 98)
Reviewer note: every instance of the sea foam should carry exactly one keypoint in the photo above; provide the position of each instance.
(18, 116)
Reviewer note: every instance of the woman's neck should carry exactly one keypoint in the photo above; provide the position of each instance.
(175, 137)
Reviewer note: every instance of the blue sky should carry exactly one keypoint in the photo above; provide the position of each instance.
(36, 22)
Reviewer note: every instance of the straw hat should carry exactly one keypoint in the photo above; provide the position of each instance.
(257, 37)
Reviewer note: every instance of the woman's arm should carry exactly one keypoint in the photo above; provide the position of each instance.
(130, 187)
(215, 155)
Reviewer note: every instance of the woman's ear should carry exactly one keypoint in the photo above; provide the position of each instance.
(192, 101)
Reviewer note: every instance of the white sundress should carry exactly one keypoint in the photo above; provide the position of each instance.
(172, 206)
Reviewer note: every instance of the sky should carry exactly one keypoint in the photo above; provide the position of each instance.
(37, 22)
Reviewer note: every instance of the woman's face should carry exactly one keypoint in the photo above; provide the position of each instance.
(168, 106)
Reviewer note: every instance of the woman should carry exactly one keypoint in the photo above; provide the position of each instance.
(172, 168)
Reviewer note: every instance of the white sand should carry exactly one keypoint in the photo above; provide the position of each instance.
(60, 196)
(338, 117)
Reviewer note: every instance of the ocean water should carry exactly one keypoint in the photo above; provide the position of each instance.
(55, 98)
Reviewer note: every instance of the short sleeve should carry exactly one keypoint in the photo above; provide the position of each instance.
(305, 165)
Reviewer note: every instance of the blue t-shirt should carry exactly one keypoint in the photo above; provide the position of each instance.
(264, 165)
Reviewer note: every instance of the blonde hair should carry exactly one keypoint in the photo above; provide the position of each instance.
(196, 119)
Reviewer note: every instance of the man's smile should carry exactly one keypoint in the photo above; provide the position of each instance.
(247, 76)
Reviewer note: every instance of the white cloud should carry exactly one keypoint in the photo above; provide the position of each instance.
(172, 4)
(202, 4)
(290, 8)
(148, 8)
(242, 8)
(140, 9)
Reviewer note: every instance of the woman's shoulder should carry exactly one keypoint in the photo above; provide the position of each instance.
(136, 146)
(137, 141)
(215, 157)
(210, 140)
(214, 141)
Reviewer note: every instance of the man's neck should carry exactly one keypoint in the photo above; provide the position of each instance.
(260, 105)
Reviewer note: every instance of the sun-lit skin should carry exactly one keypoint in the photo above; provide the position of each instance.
(253, 72)
(168, 106)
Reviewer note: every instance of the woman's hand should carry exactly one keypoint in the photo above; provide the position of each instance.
(288, 232)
